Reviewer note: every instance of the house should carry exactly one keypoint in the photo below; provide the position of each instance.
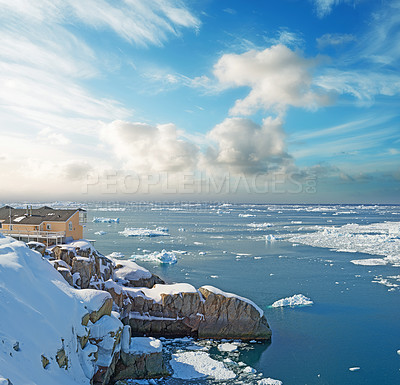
(44, 224)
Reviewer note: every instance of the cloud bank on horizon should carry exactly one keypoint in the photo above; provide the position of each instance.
(166, 86)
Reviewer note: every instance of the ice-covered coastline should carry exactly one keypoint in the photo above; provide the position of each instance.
(94, 296)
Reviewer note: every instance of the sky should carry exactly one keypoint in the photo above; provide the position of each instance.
(281, 101)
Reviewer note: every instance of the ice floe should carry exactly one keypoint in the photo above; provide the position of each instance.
(269, 381)
(259, 226)
(100, 233)
(376, 239)
(192, 365)
(143, 232)
(295, 300)
(227, 347)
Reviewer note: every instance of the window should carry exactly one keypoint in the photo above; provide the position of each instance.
(70, 226)
(48, 226)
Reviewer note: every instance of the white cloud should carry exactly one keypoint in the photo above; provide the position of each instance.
(278, 77)
(144, 148)
(334, 39)
(364, 85)
(242, 146)
(149, 22)
(324, 7)
(53, 138)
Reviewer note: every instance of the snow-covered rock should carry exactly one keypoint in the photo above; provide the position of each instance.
(42, 322)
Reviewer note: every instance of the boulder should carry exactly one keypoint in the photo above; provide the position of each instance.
(38, 246)
(141, 357)
(229, 316)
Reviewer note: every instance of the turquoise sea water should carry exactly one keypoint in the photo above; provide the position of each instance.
(353, 322)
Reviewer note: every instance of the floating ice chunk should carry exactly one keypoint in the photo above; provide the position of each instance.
(246, 215)
(259, 226)
(167, 257)
(100, 233)
(227, 347)
(191, 365)
(353, 369)
(249, 369)
(270, 238)
(370, 262)
(398, 352)
(105, 220)
(269, 381)
(142, 232)
(295, 300)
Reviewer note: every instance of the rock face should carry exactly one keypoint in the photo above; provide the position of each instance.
(141, 357)
(181, 310)
(86, 265)
(231, 317)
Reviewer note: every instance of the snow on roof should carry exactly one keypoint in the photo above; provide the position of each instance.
(231, 295)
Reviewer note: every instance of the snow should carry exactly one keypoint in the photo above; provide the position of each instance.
(19, 219)
(231, 295)
(145, 345)
(82, 244)
(269, 381)
(43, 313)
(129, 270)
(227, 347)
(167, 257)
(142, 232)
(295, 300)
(155, 292)
(105, 220)
(192, 365)
(377, 239)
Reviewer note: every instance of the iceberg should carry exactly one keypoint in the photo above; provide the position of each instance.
(295, 300)
(167, 257)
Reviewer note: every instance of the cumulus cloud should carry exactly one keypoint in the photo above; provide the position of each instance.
(278, 78)
(145, 148)
(242, 146)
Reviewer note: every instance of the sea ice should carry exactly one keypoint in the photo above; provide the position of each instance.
(105, 220)
(269, 381)
(227, 347)
(376, 239)
(353, 369)
(142, 232)
(295, 300)
(191, 365)
(100, 233)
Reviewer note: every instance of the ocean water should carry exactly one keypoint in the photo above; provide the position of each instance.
(354, 322)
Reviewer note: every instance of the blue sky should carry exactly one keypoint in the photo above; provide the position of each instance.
(269, 96)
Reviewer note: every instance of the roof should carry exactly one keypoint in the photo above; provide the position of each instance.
(42, 214)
